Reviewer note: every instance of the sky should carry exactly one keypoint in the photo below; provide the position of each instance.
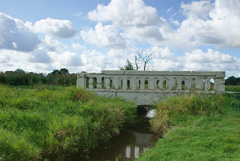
(42, 35)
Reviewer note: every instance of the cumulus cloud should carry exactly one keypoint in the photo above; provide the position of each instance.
(126, 13)
(213, 24)
(68, 58)
(197, 9)
(40, 56)
(210, 60)
(78, 46)
(104, 36)
(58, 28)
(15, 35)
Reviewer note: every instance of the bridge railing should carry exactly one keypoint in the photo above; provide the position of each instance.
(153, 81)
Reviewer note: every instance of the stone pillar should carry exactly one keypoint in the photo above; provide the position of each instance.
(133, 83)
(179, 83)
(124, 83)
(115, 82)
(90, 83)
(207, 84)
(82, 80)
(142, 87)
(199, 83)
(99, 82)
(188, 83)
(160, 83)
(151, 83)
(170, 84)
(107, 82)
(219, 85)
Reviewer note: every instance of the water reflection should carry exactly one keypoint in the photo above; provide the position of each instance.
(128, 145)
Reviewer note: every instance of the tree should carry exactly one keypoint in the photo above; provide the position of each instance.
(231, 81)
(64, 71)
(128, 66)
(143, 58)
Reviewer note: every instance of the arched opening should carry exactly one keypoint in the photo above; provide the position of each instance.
(204, 84)
(139, 84)
(212, 85)
(146, 83)
(183, 85)
(111, 83)
(165, 84)
(128, 83)
(103, 83)
(94, 82)
(87, 83)
(157, 85)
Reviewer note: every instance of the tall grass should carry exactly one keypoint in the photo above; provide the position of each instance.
(196, 128)
(53, 122)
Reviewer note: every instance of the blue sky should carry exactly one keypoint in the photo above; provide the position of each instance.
(44, 35)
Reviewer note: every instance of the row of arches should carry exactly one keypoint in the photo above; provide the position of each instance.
(147, 83)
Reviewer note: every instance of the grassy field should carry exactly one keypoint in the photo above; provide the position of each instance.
(233, 88)
(196, 128)
(49, 122)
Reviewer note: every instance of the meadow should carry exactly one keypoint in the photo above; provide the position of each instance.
(52, 122)
(196, 127)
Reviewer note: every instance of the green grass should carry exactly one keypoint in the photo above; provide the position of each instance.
(49, 122)
(233, 88)
(196, 128)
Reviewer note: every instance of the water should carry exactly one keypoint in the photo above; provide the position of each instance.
(129, 144)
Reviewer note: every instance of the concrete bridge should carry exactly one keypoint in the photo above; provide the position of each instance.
(148, 87)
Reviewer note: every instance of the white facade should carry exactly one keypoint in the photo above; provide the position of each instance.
(147, 87)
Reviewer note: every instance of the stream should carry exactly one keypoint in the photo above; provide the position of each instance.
(130, 143)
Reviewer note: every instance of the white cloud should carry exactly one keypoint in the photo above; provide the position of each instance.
(58, 28)
(104, 36)
(69, 59)
(220, 29)
(40, 56)
(150, 34)
(15, 35)
(78, 46)
(126, 13)
(210, 60)
(197, 9)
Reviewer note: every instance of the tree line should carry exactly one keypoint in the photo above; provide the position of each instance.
(19, 77)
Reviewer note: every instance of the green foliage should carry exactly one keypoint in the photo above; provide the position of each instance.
(22, 78)
(128, 66)
(232, 81)
(233, 88)
(197, 128)
(52, 122)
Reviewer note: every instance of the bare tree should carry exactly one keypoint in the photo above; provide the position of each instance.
(143, 58)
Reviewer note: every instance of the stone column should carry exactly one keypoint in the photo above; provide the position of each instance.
(99, 82)
(90, 83)
(142, 86)
(124, 83)
(82, 80)
(219, 85)
(115, 82)
(188, 83)
(199, 83)
(179, 83)
(107, 82)
(160, 83)
(133, 83)
(207, 84)
(151, 83)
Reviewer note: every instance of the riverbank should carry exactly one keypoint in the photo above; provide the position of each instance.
(49, 122)
(197, 128)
